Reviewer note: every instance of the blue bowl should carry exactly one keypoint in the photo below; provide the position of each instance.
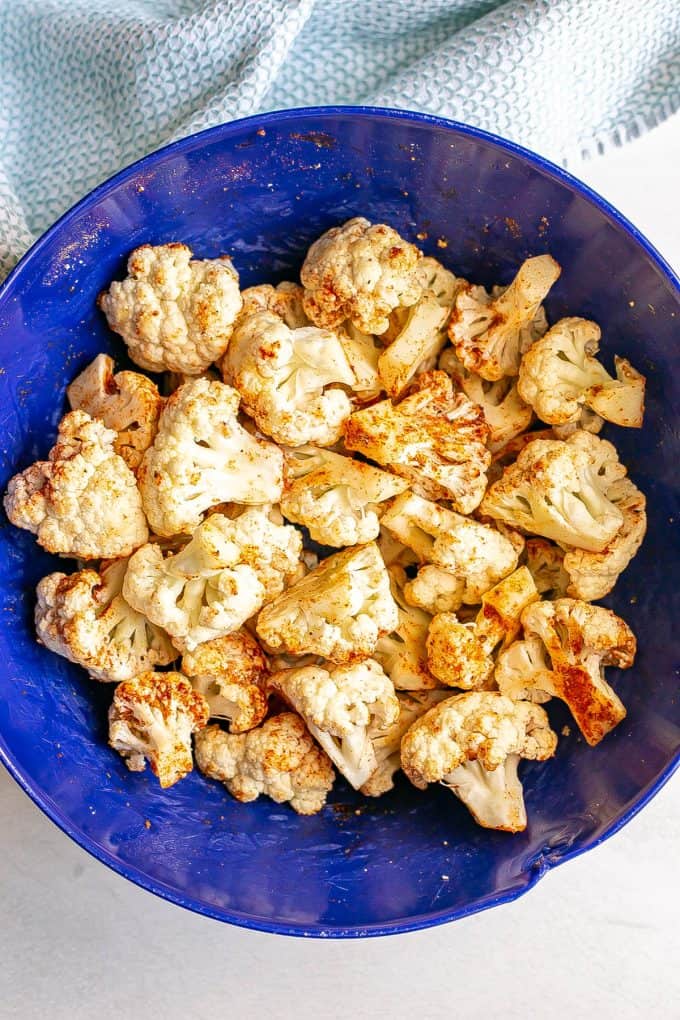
(262, 189)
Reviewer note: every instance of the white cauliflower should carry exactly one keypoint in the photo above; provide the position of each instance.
(402, 652)
(342, 707)
(491, 333)
(545, 562)
(473, 743)
(174, 313)
(433, 437)
(505, 412)
(279, 759)
(362, 351)
(477, 555)
(208, 589)
(284, 300)
(419, 341)
(435, 590)
(83, 501)
(554, 489)
(498, 621)
(361, 272)
(387, 743)
(566, 647)
(201, 457)
(338, 611)
(231, 673)
(392, 551)
(84, 617)
(455, 656)
(127, 402)
(559, 375)
(338, 499)
(152, 718)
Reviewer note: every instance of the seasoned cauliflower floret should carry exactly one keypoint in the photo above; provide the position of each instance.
(202, 456)
(279, 759)
(288, 378)
(554, 489)
(433, 437)
(339, 610)
(490, 333)
(559, 376)
(473, 743)
(402, 652)
(545, 563)
(174, 313)
(84, 617)
(83, 501)
(231, 673)
(580, 640)
(387, 743)
(362, 351)
(338, 499)
(218, 580)
(455, 656)
(419, 341)
(152, 718)
(361, 272)
(342, 707)
(477, 555)
(284, 300)
(128, 402)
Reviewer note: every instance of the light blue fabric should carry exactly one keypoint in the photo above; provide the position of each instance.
(86, 86)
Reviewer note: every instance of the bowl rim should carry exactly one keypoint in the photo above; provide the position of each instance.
(547, 858)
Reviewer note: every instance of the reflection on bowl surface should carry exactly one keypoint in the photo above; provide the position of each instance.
(262, 190)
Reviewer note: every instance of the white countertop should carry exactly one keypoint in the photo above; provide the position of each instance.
(600, 936)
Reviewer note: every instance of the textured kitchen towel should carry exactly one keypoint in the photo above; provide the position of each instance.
(86, 86)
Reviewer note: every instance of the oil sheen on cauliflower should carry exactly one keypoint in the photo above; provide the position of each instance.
(218, 580)
(201, 457)
(278, 759)
(231, 673)
(341, 706)
(338, 611)
(151, 719)
(174, 313)
(361, 272)
(83, 501)
(433, 438)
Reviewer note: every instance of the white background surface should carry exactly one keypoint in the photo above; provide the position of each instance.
(599, 937)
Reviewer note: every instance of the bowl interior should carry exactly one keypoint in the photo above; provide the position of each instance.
(262, 191)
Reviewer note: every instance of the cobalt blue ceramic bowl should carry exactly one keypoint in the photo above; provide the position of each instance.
(262, 189)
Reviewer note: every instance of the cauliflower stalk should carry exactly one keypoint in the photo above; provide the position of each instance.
(201, 457)
(402, 652)
(151, 719)
(218, 580)
(473, 744)
(338, 611)
(362, 351)
(338, 499)
(83, 501)
(433, 437)
(174, 313)
(545, 563)
(560, 375)
(278, 759)
(420, 340)
(343, 706)
(231, 673)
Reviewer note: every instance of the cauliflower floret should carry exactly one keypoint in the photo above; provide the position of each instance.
(231, 673)
(361, 272)
(339, 610)
(342, 707)
(402, 652)
(473, 743)
(338, 499)
(545, 562)
(505, 412)
(387, 743)
(127, 402)
(85, 618)
(202, 457)
(433, 437)
(491, 333)
(476, 554)
(592, 575)
(498, 621)
(419, 340)
(392, 551)
(279, 759)
(435, 590)
(83, 501)
(218, 580)
(152, 718)
(284, 300)
(362, 351)
(523, 671)
(554, 489)
(559, 375)
(288, 379)
(580, 641)
(455, 656)
(174, 313)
